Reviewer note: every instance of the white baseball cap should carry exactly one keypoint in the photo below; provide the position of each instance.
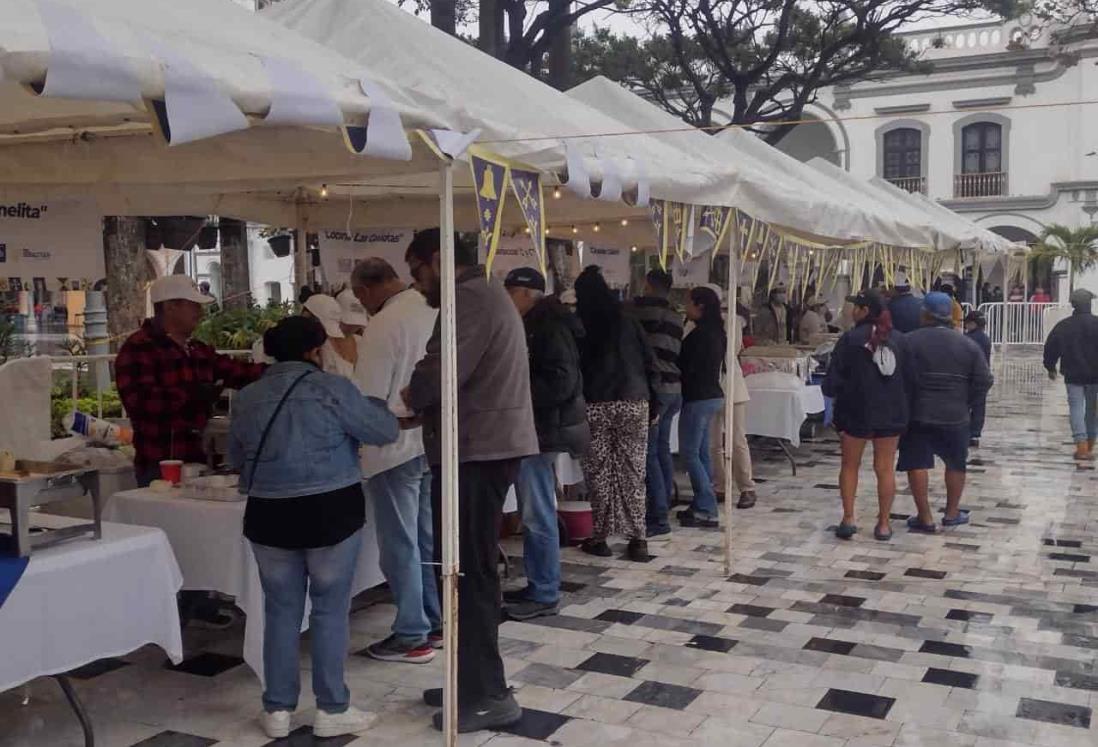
(177, 288)
(352, 311)
(326, 310)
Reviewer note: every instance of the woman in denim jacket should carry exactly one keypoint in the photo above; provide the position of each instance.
(295, 439)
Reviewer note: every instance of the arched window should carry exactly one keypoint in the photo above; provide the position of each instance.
(982, 163)
(982, 144)
(902, 162)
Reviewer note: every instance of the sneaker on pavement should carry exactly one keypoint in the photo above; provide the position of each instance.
(395, 649)
(747, 499)
(529, 609)
(516, 596)
(492, 713)
(689, 519)
(433, 697)
(351, 721)
(276, 724)
(657, 534)
(434, 640)
(637, 551)
(598, 548)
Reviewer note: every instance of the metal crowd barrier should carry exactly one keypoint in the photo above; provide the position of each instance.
(1021, 323)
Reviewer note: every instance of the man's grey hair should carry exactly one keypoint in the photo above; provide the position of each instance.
(373, 271)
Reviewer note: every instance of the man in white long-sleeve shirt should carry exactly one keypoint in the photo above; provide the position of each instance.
(398, 478)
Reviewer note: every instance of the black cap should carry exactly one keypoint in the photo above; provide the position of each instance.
(869, 298)
(525, 277)
(976, 317)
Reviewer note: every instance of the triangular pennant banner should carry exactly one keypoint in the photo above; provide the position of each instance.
(490, 182)
(527, 187)
(658, 211)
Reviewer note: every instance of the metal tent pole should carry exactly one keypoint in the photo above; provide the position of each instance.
(732, 327)
(450, 539)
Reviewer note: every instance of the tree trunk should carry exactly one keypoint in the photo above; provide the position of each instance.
(236, 284)
(128, 273)
(444, 15)
(490, 21)
(560, 49)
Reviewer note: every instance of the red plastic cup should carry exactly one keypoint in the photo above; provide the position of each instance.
(171, 470)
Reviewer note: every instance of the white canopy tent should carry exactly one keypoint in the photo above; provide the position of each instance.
(767, 187)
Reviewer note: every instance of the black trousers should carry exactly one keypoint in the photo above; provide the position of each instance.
(482, 489)
(978, 413)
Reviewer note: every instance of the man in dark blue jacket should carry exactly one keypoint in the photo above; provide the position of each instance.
(1073, 344)
(906, 310)
(975, 323)
(947, 374)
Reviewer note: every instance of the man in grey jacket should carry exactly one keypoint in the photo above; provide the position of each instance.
(948, 374)
(495, 431)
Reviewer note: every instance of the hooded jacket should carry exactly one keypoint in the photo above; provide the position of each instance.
(553, 337)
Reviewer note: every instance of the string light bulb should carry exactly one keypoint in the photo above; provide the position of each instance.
(547, 230)
(324, 191)
(575, 229)
(556, 193)
(633, 249)
(625, 221)
(596, 228)
(527, 230)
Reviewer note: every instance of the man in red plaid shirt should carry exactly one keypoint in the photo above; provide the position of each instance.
(169, 382)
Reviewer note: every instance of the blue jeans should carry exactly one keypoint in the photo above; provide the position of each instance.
(402, 511)
(1083, 410)
(327, 573)
(536, 490)
(694, 449)
(660, 468)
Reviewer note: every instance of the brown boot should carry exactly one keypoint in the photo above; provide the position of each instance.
(1082, 451)
(1090, 449)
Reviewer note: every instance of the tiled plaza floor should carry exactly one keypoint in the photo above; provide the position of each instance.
(983, 636)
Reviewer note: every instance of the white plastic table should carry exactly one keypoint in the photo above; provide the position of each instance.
(208, 540)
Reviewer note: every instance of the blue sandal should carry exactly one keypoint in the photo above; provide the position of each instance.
(845, 531)
(881, 536)
(962, 518)
(915, 525)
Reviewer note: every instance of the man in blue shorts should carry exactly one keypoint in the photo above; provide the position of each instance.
(948, 374)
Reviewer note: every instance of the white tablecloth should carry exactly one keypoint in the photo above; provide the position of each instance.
(208, 540)
(569, 472)
(779, 405)
(84, 600)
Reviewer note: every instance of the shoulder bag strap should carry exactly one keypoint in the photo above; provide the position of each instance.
(267, 429)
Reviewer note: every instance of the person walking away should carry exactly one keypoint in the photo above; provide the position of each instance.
(813, 323)
(957, 312)
(946, 374)
(975, 324)
(620, 381)
(702, 357)
(169, 383)
(553, 334)
(1073, 346)
(663, 326)
(495, 432)
(398, 478)
(340, 352)
(295, 439)
(865, 378)
(774, 323)
(905, 309)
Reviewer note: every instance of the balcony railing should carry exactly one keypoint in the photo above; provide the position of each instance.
(992, 184)
(914, 184)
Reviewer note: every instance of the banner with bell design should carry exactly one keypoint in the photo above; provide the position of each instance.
(527, 187)
(714, 222)
(490, 180)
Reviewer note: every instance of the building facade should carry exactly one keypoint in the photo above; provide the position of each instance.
(1003, 130)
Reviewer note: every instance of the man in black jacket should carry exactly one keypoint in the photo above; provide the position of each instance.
(560, 417)
(1073, 343)
(975, 323)
(947, 374)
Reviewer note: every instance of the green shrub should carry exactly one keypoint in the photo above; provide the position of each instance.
(238, 329)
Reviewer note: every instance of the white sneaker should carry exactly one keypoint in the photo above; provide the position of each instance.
(351, 721)
(276, 724)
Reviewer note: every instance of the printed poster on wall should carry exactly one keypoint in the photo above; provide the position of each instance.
(340, 251)
(613, 261)
(513, 252)
(691, 272)
(57, 245)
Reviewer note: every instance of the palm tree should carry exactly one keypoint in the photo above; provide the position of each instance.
(1078, 247)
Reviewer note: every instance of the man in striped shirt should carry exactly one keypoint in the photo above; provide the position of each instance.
(663, 325)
